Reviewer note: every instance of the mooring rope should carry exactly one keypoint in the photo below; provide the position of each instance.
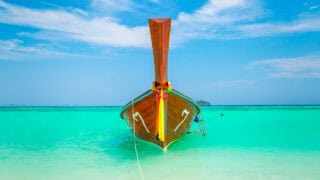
(134, 141)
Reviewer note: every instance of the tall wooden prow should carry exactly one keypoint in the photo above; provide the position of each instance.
(161, 115)
(160, 35)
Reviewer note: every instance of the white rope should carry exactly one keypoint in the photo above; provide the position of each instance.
(134, 141)
(203, 125)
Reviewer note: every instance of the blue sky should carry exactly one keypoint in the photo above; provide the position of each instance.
(98, 52)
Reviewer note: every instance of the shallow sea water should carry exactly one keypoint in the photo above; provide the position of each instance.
(243, 142)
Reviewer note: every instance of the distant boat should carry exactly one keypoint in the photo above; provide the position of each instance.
(161, 115)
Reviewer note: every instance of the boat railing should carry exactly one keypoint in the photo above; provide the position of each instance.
(202, 127)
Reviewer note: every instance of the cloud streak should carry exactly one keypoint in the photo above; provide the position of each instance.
(236, 19)
(113, 5)
(14, 49)
(271, 29)
(232, 19)
(105, 31)
(214, 20)
(297, 67)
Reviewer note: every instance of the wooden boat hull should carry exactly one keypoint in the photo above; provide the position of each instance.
(161, 115)
(142, 115)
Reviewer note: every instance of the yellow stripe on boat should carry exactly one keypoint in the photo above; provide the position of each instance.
(161, 117)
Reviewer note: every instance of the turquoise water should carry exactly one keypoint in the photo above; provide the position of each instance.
(243, 142)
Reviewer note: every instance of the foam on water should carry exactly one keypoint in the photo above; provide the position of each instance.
(243, 142)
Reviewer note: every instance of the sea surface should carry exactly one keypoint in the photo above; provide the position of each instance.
(242, 142)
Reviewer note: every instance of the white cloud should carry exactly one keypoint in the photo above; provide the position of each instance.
(9, 45)
(297, 67)
(271, 29)
(155, 1)
(212, 12)
(236, 19)
(216, 19)
(105, 31)
(113, 5)
(14, 49)
(295, 75)
(79, 11)
(210, 21)
(45, 35)
(313, 7)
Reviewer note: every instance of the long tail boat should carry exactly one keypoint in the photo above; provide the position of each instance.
(161, 115)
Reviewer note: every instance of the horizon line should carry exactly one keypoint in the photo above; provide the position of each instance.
(53, 106)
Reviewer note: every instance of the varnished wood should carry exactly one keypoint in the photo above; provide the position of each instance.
(160, 35)
(142, 112)
(147, 108)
